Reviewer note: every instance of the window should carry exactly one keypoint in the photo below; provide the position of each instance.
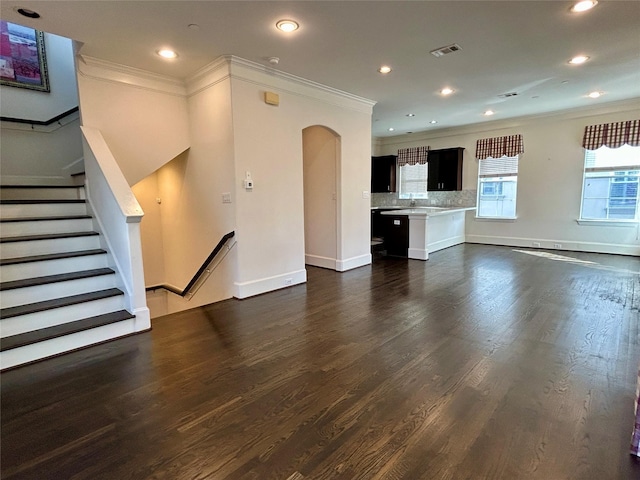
(610, 186)
(413, 181)
(497, 187)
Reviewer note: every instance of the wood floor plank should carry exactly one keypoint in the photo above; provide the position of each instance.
(482, 363)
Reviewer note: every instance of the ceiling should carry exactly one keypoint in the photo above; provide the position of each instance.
(506, 46)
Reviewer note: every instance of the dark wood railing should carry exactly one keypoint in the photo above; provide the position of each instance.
(43, 123)
(184, 292)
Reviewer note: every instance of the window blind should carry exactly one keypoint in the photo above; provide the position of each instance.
(623, 158)
(498, 167)
(413, 181)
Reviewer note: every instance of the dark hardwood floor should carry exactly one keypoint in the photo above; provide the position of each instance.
(482, 363)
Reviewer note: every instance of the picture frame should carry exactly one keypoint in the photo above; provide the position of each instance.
(23, 60)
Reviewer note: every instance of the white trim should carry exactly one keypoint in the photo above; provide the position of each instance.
(142, 321)
(268, 284)
(546, 244)
(55, 346)
(608, 223)
(319, 261)
(622, 106)
(446, 243)
(353, 262)
(418, 253)
(248, 66)
(496, 219)
(106, 71)
(208, 76)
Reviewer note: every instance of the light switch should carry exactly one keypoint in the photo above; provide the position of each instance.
(366, 194)
(226, 197)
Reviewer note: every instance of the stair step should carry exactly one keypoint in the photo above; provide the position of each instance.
(48, 236)
(19, 209)
(52, 256)
(41, 192)
(40, 219)
(62, 277)
(39, 201)
(58, 303)
(46, 226)
(43, 334)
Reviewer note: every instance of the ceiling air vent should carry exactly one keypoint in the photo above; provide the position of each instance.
(440, 52)
(508, 94)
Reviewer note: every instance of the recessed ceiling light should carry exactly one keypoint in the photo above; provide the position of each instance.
(411, 115)
(446, 91)
(287, 26)
(595, 94)
(578, 60)
(433, 122)
(25, 12)
(167, 53)
(488, 113)
(583, 6)
(391, 129)
(384, 69)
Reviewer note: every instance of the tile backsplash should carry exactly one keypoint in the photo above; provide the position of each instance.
(461, 198)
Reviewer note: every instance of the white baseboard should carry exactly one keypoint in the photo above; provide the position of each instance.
(322, 262)
(418, 254)
(353, 262)
(142, 320)
(592, 247)
(269, 284)
(446, 243)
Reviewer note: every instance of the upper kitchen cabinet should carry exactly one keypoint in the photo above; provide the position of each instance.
(445, 169)
(383, 174)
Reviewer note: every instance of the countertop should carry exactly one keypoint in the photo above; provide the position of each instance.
(426, 211)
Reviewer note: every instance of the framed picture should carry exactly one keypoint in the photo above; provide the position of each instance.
(23, 62)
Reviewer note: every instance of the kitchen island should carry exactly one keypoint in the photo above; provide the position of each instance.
(429, 229)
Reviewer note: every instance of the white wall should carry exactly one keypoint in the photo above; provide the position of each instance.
(321, 148)
(268, 143)
(42, 106)
(549, 180)
(142, 116)
(43, 154)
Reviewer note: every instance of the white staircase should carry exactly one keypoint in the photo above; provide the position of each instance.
(57, 292)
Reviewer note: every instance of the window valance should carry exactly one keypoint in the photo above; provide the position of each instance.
(497, 147)
(612, 135)
(412, 156)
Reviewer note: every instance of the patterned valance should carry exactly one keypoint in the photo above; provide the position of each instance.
(612, 135)
(412, 156)
(498, 147)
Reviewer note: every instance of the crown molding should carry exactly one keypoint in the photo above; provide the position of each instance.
(208, 76)
(286, 82)
(104, 70)
(621, 106)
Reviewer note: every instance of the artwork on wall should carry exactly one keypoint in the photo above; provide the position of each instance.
(22, 57)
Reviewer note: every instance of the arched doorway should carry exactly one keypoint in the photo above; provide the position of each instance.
(321, 160)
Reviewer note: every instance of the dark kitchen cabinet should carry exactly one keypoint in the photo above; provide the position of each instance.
(445, 169)
(396, 238)
(383, 174)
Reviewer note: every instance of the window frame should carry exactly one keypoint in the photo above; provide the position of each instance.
(610, 172)
(505, 170)
(413, 195)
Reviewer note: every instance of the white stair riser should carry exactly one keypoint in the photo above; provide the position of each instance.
(50, 291)
(43, 227)
(44, 247)
(55, 346)
(22, 210)
(21, 271)
(12, 193)
(58, 316)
